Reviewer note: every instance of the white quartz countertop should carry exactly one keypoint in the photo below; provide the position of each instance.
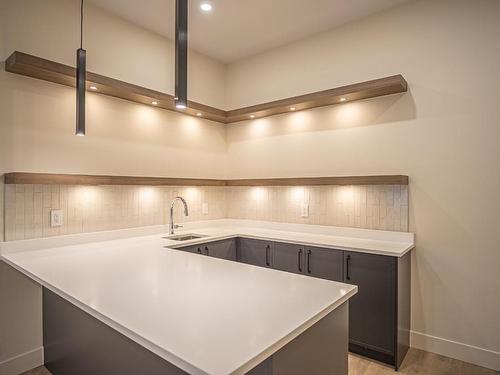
(205, 315)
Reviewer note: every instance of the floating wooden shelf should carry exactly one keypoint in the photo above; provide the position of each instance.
(36, 67)
(73, 179)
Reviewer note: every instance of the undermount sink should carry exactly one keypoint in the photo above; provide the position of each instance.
(184, 237)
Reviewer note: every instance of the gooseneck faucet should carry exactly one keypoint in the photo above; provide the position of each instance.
(186, 213)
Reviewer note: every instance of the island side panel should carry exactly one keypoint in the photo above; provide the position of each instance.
(320, 350)
(403, 308)
(75, 343)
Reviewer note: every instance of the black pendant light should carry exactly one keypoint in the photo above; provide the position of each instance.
(181, 51)
(81, 73)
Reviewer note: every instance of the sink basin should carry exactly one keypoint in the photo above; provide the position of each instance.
(184, 237)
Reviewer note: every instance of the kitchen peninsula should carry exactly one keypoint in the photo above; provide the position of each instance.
(139, 302)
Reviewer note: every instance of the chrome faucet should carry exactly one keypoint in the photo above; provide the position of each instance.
(186, 213)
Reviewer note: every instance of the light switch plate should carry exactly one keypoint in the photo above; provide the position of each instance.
(56, 218)
(304, 210)
(204, 209)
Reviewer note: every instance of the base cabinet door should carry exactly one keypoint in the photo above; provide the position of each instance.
(289, 257)
(323, 263)
(255, 252)
(225, 249)
(372, 309)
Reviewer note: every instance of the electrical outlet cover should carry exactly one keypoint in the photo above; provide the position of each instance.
(56, 218)
(204, 209)
(304, 210)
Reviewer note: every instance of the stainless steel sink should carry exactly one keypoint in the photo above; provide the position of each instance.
(185, 237)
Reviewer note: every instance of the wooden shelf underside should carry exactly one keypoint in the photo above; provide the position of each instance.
(36, 67)
(73, 179)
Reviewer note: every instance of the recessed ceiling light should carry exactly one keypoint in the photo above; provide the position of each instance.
(180, 106)
(252, 116)
(343, 99)
(199, 114)
(154, 102)
(93, 88)
(206, 7)
(292, 108)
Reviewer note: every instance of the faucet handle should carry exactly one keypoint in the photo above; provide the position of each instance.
(178, 226)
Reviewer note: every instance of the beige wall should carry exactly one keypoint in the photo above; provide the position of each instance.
(444, 133)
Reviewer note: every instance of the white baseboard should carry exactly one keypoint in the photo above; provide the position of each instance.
(467, 353)
(22, 362)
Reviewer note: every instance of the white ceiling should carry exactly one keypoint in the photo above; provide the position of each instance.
(236, 29)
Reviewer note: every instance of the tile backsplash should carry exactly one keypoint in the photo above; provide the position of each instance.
(96, 208)
(371, 207)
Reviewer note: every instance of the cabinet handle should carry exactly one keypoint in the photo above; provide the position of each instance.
(199, 250)
(308, 261)
(299, 260)
(348, 268)
(268, 261)
(206, 251)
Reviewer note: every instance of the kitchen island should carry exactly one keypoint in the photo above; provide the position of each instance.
(143, 305)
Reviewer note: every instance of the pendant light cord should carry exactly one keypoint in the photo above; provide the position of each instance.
(81, 24)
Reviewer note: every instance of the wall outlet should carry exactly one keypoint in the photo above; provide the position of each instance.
(56, 218)
(304, 210)
(204, 209)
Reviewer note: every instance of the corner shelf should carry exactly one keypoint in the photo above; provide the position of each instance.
(76, 179)
(36, 67)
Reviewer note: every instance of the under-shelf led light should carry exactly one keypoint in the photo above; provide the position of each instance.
(154, 102)
(94, 88)
(206, 7)
(343, 99)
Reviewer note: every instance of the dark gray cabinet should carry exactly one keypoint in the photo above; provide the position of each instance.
(256, 252)
(225, 249)
(308, 260)
(372, 309)
(288, 257)
(379, 314)
(323, 263)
